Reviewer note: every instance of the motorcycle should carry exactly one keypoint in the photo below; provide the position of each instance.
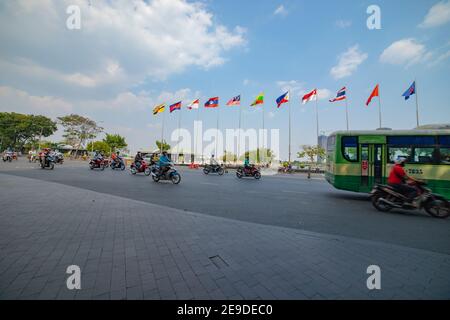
(48, 162)
(7, 157)
(169, 174)
(117, 164)
(213, 169)
(385, 197)
(251, 171)
(59, 158)
(144, 167)
(97, 164)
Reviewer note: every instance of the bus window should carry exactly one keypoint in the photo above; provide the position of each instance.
(411, 141)
(350, 148)
(423, 155)
(399, 152)
(445, 155)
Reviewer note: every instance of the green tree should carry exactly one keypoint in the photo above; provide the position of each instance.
(164, 146)
(229, 157)
(79, 129)
(311, 152)
(115, 141)
(259, 156)
(101, 146)
(18, 129)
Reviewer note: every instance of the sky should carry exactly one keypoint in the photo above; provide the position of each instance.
(129, 56)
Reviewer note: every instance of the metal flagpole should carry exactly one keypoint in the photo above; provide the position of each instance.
(196, 133)
(178, 144)
(262, 148)
(162, 131)
(417, 103)
(317, 116)
(346, 111)
(379, 105)
(239, 134)
(217, 130)
(289, 93)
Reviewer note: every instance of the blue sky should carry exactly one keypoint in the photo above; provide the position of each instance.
(229, 48)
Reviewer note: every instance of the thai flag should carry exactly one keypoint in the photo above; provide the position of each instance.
(175, 106)
(340, 95)
(212, 103)
(283, 99)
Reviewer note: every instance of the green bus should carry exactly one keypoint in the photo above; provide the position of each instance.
(357, 160)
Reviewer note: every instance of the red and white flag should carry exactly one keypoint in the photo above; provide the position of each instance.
(310, 96)
(194, 104)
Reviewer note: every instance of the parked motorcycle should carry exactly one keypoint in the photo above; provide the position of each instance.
(384, 198)
(118, 163)
(97, 164)
(48, 162)
(7, 157)
(144, 167)
(168, 174)
(214, 169)
(251, 171)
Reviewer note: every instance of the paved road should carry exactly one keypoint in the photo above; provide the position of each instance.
(287, 201)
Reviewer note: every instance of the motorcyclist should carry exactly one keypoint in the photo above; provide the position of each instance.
(398, 177)
(213, 162)
(98, 156)
(247, 165)
(138, 160)
(116, 158)
(46, 154)
(164, 163)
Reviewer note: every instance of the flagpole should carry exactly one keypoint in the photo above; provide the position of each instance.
(262, 131)
(196, 133)
(379, 105)
(346, 111)
(417, 103)
(162, 131)
(317, 115)
(217, 129)
(289, 93)
(239, 134)
(178, 144)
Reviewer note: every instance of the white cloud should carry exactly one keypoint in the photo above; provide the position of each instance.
(281, 11)
(438, 15)
(323, 94)
(13, 100)
(343, 23)
(294, 86)
(348, 62)
(120, 44)
(405, 52)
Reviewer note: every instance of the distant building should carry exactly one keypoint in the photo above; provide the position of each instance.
(322, 142)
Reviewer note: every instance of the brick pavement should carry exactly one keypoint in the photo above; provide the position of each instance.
(128, 249)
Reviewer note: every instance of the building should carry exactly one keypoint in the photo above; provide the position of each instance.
(322, 143)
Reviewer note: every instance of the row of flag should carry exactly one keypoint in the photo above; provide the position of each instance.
(310, 96)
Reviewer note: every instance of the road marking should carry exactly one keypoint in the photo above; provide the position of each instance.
(299, 192)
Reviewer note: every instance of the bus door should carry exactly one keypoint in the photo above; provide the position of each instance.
(372, 167)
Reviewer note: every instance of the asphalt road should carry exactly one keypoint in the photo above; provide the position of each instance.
(289, 201)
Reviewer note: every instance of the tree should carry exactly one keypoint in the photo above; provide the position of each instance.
(164, 147)
(79, 129)
(259, 156)
(101, 146)
(229, 157)
(311, 152)
(18, 129)
(115, 141)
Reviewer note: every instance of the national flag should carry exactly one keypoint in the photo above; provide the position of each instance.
(236, 101)
(259, 100)
(175, 106)
(340, 95)
(212, 103)
(372, 95)
(158, 109)
(283, 99)
(411, 90)
(194, 104)
(310, 96)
